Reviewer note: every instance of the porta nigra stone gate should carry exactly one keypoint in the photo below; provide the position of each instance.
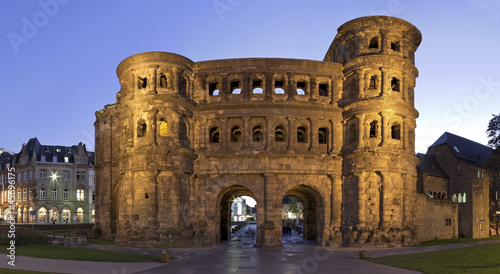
(184, 138)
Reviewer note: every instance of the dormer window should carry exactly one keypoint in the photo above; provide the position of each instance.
(42, 158)
(54, 159)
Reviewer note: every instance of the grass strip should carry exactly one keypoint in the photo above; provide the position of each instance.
(80, 254)
(475, 259)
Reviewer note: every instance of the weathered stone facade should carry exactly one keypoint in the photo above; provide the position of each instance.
(185, 137)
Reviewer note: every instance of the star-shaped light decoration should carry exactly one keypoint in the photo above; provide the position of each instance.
(54, 177)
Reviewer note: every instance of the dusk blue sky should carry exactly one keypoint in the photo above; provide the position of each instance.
(58, 61)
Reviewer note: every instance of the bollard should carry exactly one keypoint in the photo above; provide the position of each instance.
(362, 254)
(165, 257)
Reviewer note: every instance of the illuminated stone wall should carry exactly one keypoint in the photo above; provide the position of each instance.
(184, 138)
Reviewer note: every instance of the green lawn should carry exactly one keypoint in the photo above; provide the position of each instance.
(476, 259)
(457, 240)
(79, 254)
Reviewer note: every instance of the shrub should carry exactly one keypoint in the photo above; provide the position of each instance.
(23, 236)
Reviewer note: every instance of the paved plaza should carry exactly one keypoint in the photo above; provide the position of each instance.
(236, 256)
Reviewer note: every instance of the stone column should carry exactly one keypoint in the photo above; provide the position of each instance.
(269, 133)
(336, 89)
(361, 83)
(224, 87)
(386, 43)
(313, 139)
(246, 87)
(360, 176)
(291, 87)
(268, 86)
(224, 134)
(313, 89)
(175, 79)
(271, 228)
(361, 132)
(291, 132)
(247, 133)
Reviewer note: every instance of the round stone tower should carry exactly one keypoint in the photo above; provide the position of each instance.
(379, 166)
(154, 152)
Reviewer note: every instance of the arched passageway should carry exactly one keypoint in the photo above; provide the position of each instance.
(226, 198)
(310, 212)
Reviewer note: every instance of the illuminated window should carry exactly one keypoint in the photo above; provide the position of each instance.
(79, 215)
(25, 194)
(31, 194)
(80, 194)
(163, 128)
(66, 159)
(42, 215)
(19, 195)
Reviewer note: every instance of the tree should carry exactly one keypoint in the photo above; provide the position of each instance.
(493, 132)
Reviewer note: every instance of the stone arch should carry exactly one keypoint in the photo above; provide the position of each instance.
(228, 187)
(313, 210)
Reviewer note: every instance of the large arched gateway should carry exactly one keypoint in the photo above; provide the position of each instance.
(184, 137)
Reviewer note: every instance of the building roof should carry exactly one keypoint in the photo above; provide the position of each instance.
(465, 149)
(429, 165)
(35, 150)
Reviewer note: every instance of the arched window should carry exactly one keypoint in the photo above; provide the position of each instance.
(141, 128)
(214, 135)
(258, 135)
(439, 195)
(454, 198)
(373, 129)
(142, 82)
(459, 200)
(213, 89)
(79, 215)
(235, 87)
(66, 215)
(163, 81)
(279, 134)
(373, 82)
(395, 84)
(301, 135)
(322, 135)
(396, 131)
(183, 87)
(257, 87)
(54, 214)
(443, 196)
(163, 128)
(278, 87)
(395, 45)
(323, 90)
(301, 88)
(464, 199)
(236, 134)
(42, 215)
(373, 43)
